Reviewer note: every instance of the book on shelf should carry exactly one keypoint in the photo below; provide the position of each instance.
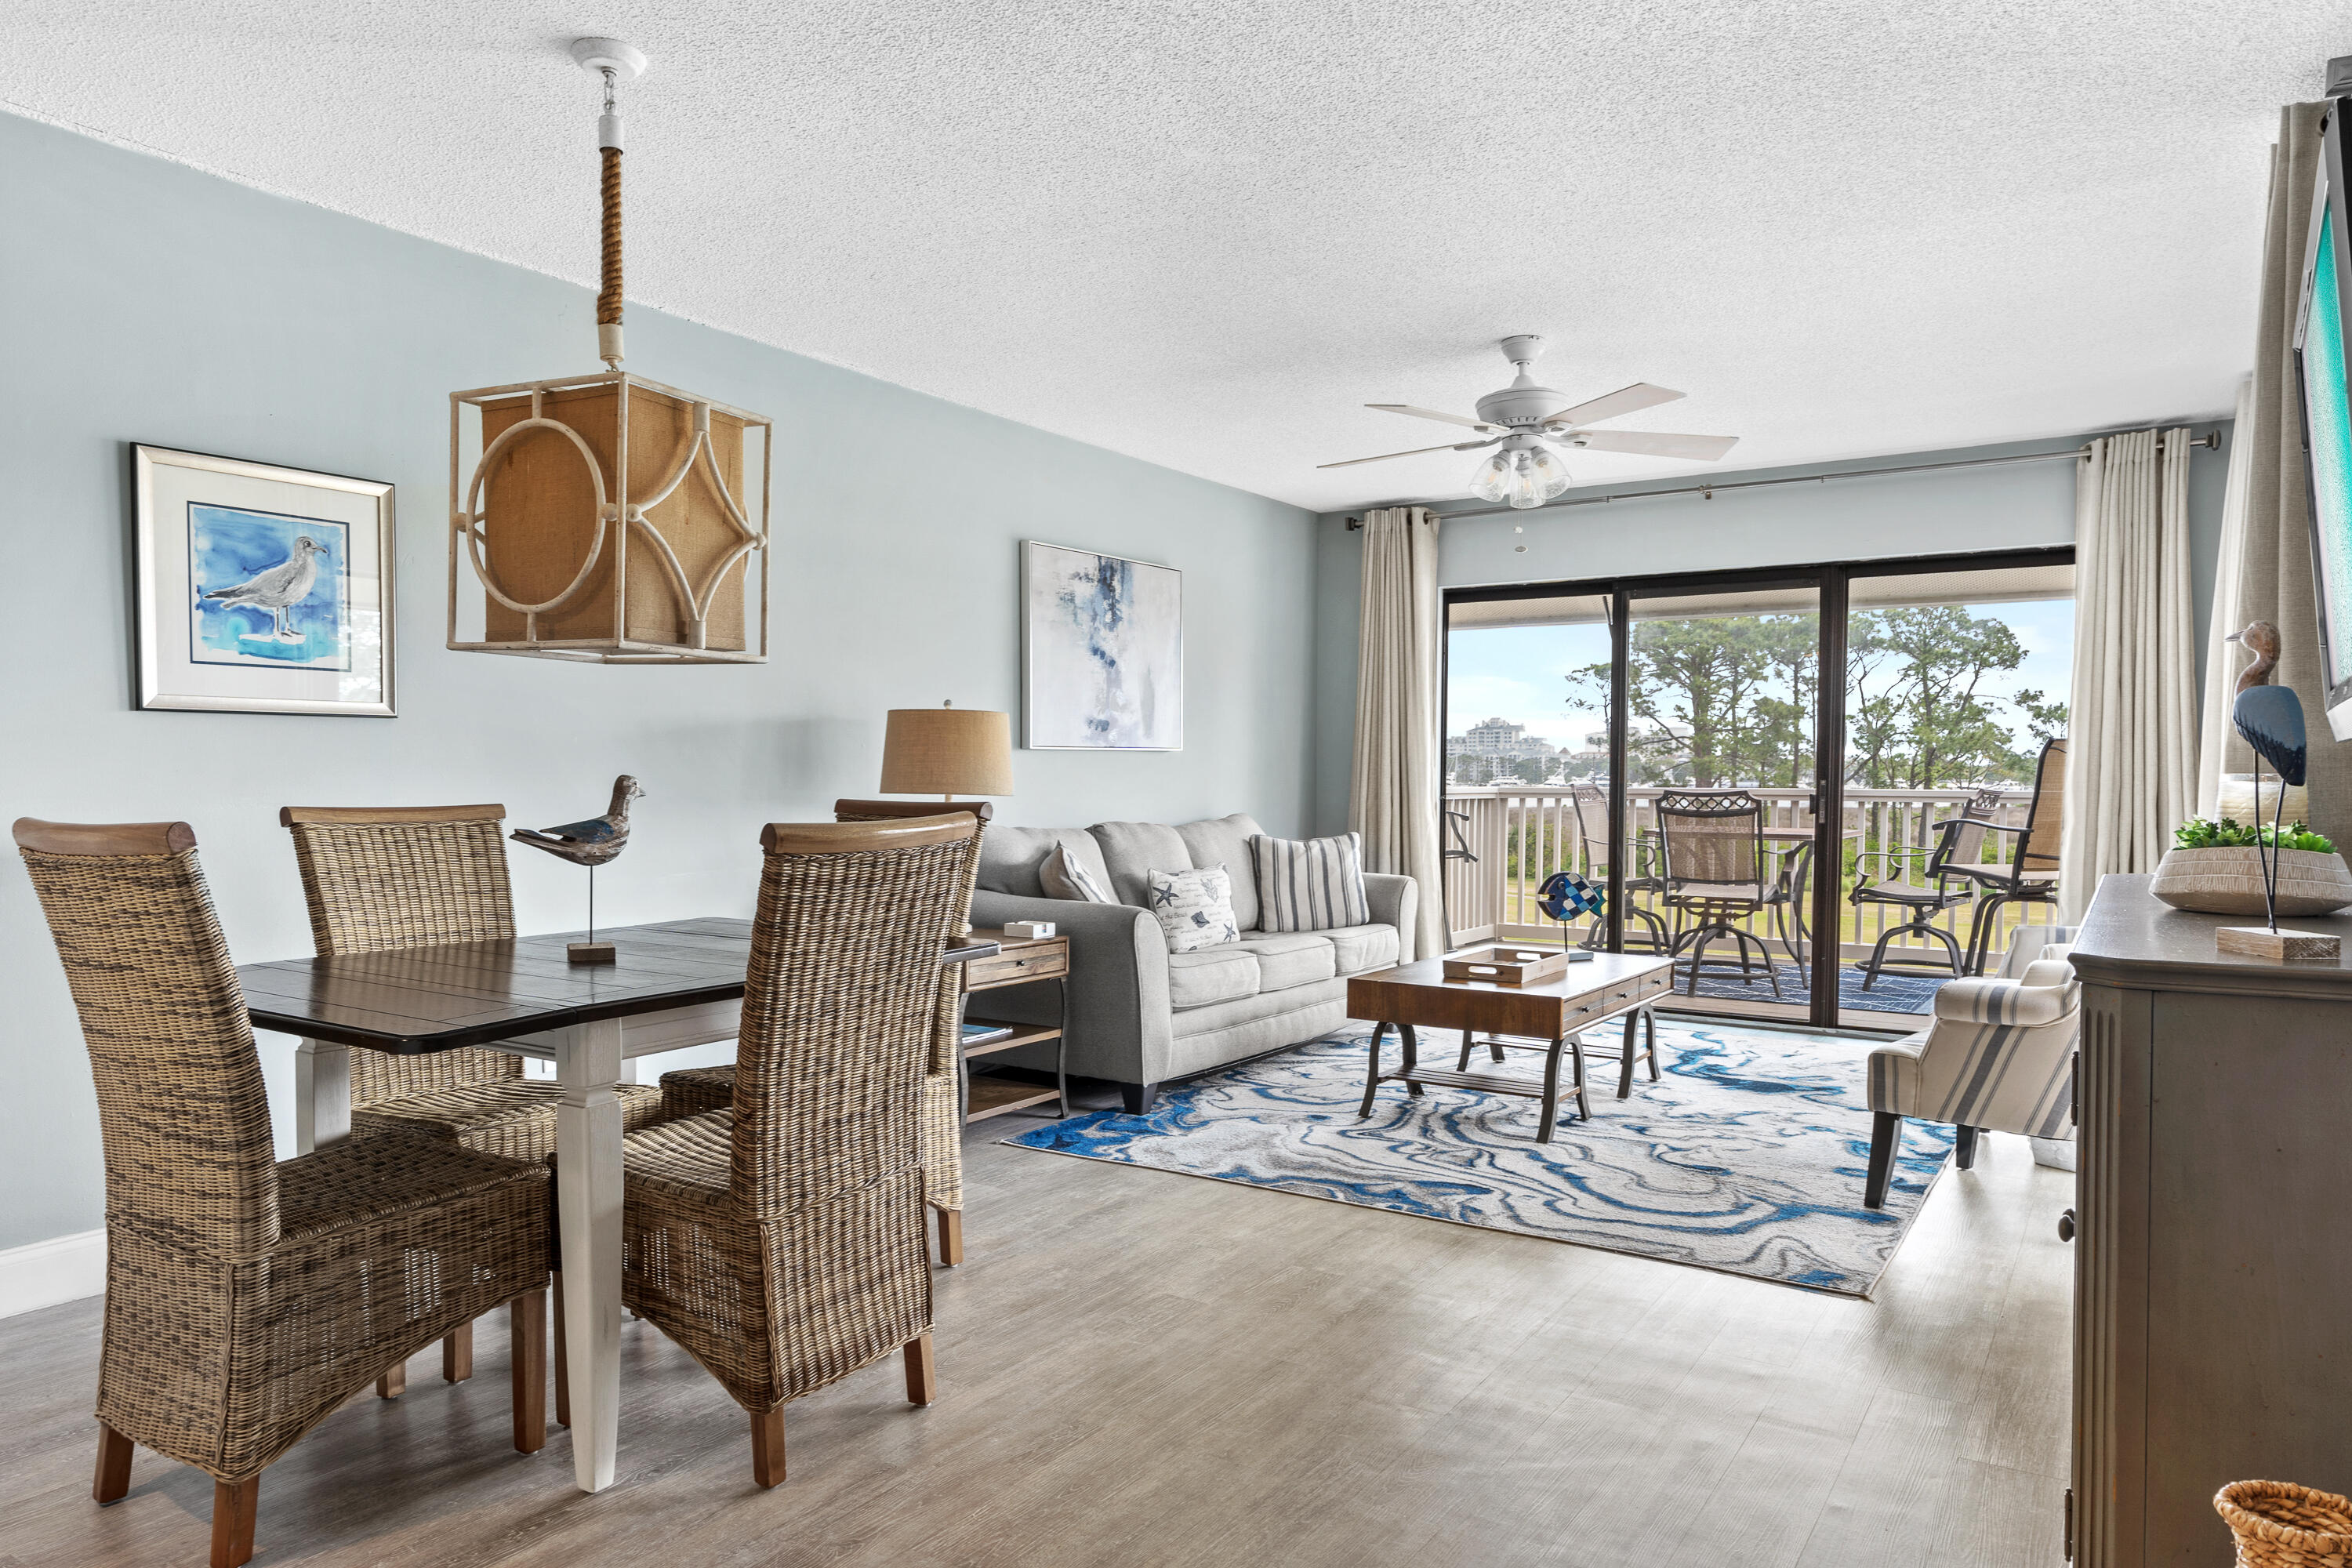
(985, 1034)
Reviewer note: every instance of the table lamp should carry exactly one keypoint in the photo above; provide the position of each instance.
(947, 751)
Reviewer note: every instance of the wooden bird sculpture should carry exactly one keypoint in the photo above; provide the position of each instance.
(590, 843)
(2269, 717)
(594, 841)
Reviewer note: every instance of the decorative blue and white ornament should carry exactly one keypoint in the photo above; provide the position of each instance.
(1567, 896)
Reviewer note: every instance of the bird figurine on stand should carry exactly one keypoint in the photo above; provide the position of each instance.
(590, 844)
(2270, 719)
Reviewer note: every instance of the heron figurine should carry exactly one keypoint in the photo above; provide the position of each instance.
(2269, 719)
(589, 842)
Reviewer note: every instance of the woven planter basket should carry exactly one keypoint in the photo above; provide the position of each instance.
(2229, 881)
(2279, 1525)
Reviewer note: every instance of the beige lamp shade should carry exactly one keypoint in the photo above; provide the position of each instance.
(947, 752)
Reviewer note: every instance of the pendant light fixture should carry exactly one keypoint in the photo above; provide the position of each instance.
(604, 516)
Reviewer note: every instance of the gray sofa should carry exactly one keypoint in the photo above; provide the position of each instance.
(1139, 1014)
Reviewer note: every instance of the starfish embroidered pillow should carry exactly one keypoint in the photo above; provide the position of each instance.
(1195, 908)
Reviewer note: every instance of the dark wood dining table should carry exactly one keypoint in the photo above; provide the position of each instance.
(673, 985)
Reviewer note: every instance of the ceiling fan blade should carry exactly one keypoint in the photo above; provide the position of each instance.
(1434, 414)
(1624, 400)
(1653, 444)
(1417, 451)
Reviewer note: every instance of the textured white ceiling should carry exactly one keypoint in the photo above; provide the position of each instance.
(1204, 233)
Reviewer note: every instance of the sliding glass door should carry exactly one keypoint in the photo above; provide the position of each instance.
(1721, 691)
(1671, 742)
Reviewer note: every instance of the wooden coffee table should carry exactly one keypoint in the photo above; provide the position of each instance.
(1612, 985)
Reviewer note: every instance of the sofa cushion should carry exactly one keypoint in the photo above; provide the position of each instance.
(1066, 875)
(1131, 851)
(1362, 948)
(1286, 958)
(1194, 909)
(1224, 841)
(1310, 884)
(1009, 857)
(1221, 973)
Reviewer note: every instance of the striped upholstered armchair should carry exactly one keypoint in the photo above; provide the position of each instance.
(2000, 1054)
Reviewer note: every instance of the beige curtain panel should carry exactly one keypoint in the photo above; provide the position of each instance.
(2132, 721)
(2222, 658)
(2269, 570)
(1393, 797)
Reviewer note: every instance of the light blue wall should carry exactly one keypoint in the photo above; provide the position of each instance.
(150, 303)
(2009, 507)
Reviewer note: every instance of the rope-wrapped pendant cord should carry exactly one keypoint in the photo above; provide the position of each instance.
(608, 300)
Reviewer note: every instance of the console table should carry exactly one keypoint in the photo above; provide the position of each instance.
(2213, 1255)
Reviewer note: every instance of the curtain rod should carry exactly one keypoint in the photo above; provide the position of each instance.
(2210, 440)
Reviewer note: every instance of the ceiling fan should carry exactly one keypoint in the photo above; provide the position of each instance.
(1527, 422)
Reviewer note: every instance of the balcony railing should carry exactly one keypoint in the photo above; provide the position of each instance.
(1523, 833)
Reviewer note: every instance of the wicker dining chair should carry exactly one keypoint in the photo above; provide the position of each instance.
(380, 878)
(691, 1091)
(246, 1297)
(1712, 842)
(781, 1239)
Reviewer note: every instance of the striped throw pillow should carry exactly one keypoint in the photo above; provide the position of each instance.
(1310, 884)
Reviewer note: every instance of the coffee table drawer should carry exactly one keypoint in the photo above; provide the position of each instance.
(1613, 999)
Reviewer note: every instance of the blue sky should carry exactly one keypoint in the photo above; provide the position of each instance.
(1516, 672)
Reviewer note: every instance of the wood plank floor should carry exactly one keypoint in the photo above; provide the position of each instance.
(1139, 1368)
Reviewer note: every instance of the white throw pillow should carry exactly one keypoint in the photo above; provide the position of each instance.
(1310, 884)
(1195, 908)
(1062, 876)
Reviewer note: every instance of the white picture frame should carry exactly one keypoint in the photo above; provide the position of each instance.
(261, 589)
(1102, 651)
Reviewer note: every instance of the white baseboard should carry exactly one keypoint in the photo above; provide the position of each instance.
(43, 1273)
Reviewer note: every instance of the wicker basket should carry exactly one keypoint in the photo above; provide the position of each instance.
(2282, 1526)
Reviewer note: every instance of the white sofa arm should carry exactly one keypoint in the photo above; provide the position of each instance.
(1395, 901)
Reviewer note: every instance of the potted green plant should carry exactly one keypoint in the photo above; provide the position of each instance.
(2215, 867)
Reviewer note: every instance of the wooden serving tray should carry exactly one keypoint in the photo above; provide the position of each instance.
(1507, 963)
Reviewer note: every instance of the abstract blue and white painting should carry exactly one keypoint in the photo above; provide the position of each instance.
(1105, 651)
(267, 588)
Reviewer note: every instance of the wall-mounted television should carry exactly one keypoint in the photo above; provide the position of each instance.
(2321, 355)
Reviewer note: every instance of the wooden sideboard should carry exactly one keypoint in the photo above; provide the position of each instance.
(2213, 1241)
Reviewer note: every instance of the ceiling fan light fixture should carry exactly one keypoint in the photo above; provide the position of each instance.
(1520, 477)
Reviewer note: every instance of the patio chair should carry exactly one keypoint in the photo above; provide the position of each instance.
(1591, 804)
(2029, 875)
(1713, 845)
(1958, 843)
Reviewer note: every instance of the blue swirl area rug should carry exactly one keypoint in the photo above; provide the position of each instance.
(1747, 1157)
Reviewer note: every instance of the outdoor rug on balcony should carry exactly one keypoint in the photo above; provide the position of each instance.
(1890, 994)
(1748, 1157)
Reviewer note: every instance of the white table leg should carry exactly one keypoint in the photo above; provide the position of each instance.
(322, 1094)
(588, 1206)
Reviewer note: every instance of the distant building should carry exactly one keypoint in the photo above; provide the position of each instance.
(1498, 738)
(1498, 750)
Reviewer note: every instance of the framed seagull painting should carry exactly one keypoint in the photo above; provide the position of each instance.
(261, 589)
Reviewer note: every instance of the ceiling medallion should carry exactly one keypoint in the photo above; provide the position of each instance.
(605, 516)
